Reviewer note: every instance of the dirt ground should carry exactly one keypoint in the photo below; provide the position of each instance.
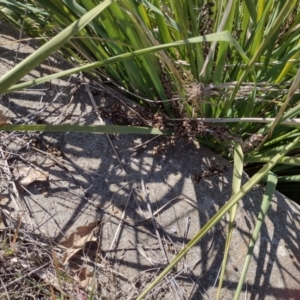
(131, 209)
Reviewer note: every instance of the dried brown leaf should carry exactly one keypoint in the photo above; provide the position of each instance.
(4, 199)
(50, 278)
(77, 240)
(2, 225)
(3, 119)
(53, 297)
(85, 277)
(29, 175)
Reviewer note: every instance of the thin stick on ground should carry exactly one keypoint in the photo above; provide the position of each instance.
(27, 274)
(103, 123)
(153, 221)
(5, 290)
(174, 284)
(122, 218)
(239, 120)
(19, 205)
(141, 144)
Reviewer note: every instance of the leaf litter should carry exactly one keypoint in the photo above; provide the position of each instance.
(4, 119)
(78, 240)
(27, 175)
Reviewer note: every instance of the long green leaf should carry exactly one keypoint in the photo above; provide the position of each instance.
(110, 129)
(46, 50)
(287, 160)
(223, 47)
(220, 36)
(222, 211)
(20, 7)
(267, 198)
(287, 8)
(236, 185)
(251, 8)
(290, 178)
(295, 85)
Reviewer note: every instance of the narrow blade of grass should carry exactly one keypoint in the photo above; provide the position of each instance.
(267, 198)
(110, 129)
(46, 50)
(223, 47)
(295, 85)
(222, 211)
(287, 160)
(220, 36)
(286, 9)
(291, 178)
(236, 185)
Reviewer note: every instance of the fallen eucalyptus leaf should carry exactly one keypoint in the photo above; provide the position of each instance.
(77, 240)
(86, 278)
(28, 175)
(4, 199)
(3, 119)
(50, 278)
(2, 225)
